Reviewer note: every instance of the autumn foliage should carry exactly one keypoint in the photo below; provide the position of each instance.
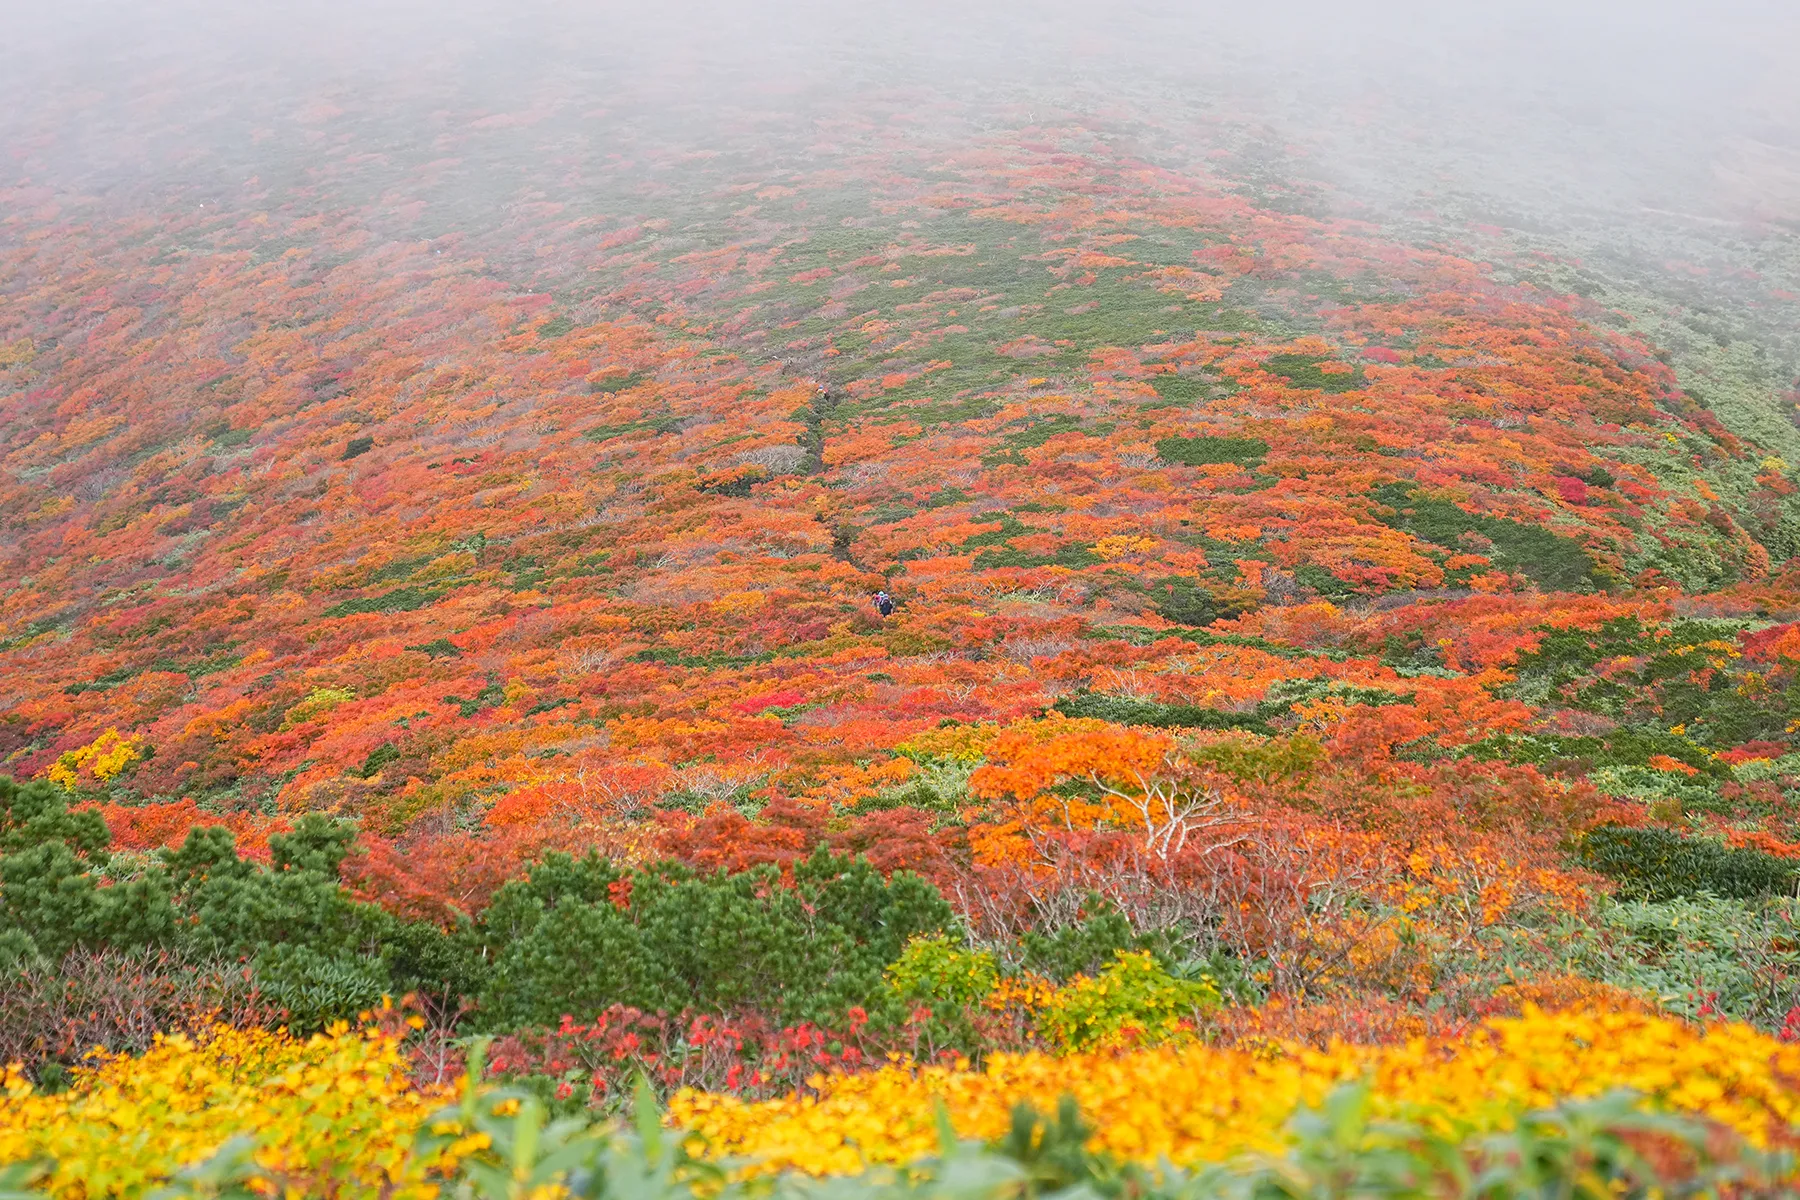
(1322, 641)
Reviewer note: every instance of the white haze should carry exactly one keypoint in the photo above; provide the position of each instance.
(1549, 109)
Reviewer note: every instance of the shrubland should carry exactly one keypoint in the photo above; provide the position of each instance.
(1338, 732)
(226, 1113)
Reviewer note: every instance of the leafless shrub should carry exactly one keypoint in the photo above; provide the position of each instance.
(118, 1000)
(1024, 650)
(586, 662)
(1279, 586)
(780, 459)
(1256, 892)
(1130, 684)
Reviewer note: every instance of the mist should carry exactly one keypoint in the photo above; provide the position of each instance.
(1549, 110)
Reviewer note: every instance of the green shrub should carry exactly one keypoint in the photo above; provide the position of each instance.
(1323, 582)
(571, 937)
(312, 947)
(579, 935)
(1074, 556)
(1657, 864)
(1205, 451)
(620, 381)
(1182, 603)
(1122, 710)
(1086, 946)
(934, 970)
(1551, 560)
(51, 900)
(1647, 784)
(1134, 998)
(438, 648)
(1183, 389)
(1736, 958)
(405, 599)
(1307, 371)
(378, 758)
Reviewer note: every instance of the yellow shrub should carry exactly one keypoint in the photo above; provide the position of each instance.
(1193, 1103)
(334, 1114)
(318, 702)
(104, 757)
(1120, 545)
(1133, 1000)
(958, 743)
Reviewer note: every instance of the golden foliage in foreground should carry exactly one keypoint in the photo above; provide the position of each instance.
(334, 1114)
(337, 1114)
(1200, 1104)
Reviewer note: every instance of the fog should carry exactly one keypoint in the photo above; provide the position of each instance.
(1547, 109)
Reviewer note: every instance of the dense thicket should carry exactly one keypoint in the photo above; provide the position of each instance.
(574, 936)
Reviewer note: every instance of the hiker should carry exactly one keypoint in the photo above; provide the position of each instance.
(884, 604)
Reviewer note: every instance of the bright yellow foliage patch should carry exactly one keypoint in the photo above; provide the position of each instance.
(1196, 1104)
(104, 757)
(337, 1115)
(332, 1115)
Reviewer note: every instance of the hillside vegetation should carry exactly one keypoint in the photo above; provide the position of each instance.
(1318, 658)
